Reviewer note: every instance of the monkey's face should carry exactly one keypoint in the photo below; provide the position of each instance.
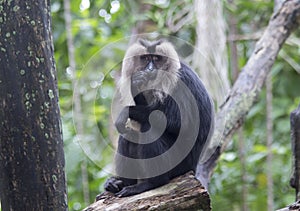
(147, 69)
(152, 62)
(149, 65)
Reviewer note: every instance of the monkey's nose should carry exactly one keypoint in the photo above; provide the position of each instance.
(150, 67)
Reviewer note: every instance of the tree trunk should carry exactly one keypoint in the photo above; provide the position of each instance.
(210, 54)
(31, 147)
(182, 193)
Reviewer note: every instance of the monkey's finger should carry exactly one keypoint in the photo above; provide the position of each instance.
(119, 183)
(112, 185)
(112, 188)
(121, 128)
(122, 193)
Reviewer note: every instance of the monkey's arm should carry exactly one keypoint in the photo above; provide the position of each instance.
(138, 113)
(121, 120)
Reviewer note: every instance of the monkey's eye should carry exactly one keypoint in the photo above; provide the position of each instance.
(157, 58)
(145, 58)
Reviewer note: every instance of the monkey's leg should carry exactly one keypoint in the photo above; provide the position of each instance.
(115, 184)
(143, 186)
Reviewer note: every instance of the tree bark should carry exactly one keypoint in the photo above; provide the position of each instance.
(182, 193)
(31, 147)
(247, 87)
(210, 54)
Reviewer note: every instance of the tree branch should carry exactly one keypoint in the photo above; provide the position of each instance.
(182, 193)
(247, 87)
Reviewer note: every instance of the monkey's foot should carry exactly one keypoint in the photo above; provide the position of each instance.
(113, 185)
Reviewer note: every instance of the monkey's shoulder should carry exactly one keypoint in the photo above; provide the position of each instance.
(190, 77)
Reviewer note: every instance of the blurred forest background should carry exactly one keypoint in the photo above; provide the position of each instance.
(256, 167)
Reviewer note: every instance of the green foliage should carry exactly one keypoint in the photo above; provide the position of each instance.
(227, 193)
(96, 25)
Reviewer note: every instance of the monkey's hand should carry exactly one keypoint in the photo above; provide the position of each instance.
(137, 115)
(122, 120)
(141, 78)
(113, 185)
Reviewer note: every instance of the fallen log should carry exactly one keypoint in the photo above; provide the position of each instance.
(182, 193)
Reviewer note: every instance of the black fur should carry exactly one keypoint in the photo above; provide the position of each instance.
(140, 113)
